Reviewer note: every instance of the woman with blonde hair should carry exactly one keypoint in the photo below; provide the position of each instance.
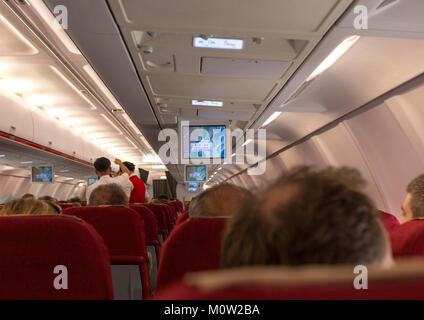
(27, 207)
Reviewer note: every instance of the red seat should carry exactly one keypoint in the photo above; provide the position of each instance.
(194, 245)
(168, 215)
(404, 281)
(408, 239)
(32, 246)
(160, 218)
(389, 221)
(66, 205)
(152, 237)
(122, 231)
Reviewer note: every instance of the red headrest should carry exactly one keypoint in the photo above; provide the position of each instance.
(299, 283)
(150, 223)
(192, 246)
(182, 218)
(121, 228)
(159, 214)
(408, 239)
(389, 220)
(32, 246)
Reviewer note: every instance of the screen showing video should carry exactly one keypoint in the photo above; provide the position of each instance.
(193, 189)
(92, 180)
(42, 174)
(196, 173)
(207, 142)
(194, 184)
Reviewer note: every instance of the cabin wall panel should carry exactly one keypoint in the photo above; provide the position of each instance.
(339, 148)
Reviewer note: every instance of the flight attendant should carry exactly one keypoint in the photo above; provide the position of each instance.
(138, 193)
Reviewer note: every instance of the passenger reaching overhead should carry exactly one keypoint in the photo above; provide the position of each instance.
(224, 200)
(103, 170)
(138, 193)
(307, 217)
(413, 205)
(108, 194)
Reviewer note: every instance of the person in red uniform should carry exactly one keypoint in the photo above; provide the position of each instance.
(138, 193)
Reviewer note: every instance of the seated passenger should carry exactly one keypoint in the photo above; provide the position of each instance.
(76, 201)
(138, 193)
(307, 217)
(52, 202)
(223, 200)
(103, 170)
(413, 205)
(27, 207)
(163, 198)
(28, 196)
(108, 194)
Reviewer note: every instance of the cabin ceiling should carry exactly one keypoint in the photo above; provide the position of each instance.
(278, 35)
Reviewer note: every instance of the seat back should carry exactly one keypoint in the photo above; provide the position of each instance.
(32, 246)
(404, 281)
(194, 245)
(408, 239)
(122, 231)
(160, 217)
(150, 223)
(66, 205)
(389, 221)
(182, 218)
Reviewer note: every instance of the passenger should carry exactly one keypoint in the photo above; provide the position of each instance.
(413, 205)
(108, 194)
(222, 200)
(27, 207)
(47, 198)
(76, 201)
(163, 198)
(138, 193)
(103, 171)
(28, 196)
(307, 217)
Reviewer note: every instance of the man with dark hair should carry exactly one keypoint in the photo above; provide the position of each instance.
(307, 217)
(108, 194)
(103, 170)
(222, 200)
(163, 198)
(413, 205)
(138, 193)
(28, 196)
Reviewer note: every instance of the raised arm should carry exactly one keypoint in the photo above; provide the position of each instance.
(123, 167)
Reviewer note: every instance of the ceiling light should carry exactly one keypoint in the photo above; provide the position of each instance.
(18, 34)
(131, 123)
(247, 142)
(111, 123)
(271, 118)
(158, 167)
(64, 171)
(207, 103)
(163, 177)
(2, 155)
(218, 43)
(90, 71)
(233, 154)
(334, 56)
(51, 21)
(26, 162)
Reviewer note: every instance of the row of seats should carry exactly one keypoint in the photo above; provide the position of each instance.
(195, 245)
(104, 250)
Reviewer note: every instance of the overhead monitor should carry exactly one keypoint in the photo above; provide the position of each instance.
(196, 173)
(42, 174)
(192, 189)
(204, 142)
(194, 184)
(144, 175)
(92, 180)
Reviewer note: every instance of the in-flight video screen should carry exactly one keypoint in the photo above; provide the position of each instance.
(92, 180)
(42, 174)
(196, 173)
(208, 142)
(194, 184)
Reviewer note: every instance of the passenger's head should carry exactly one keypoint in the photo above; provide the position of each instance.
(307, 217)
(413, 205)
(108, 194)
(130, 166)
(222, 200)
(27, 207)
(163, 198)
(28, 196)
(46, 198)
(102, 166)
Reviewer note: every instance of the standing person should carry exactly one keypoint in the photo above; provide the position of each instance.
(103, 170)
(138, 193)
